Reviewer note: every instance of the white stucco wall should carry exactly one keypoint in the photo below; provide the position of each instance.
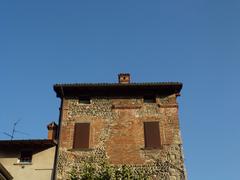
(41, 167)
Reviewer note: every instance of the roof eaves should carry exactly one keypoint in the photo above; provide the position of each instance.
(101, 87)
(116, 84)
(29, 141)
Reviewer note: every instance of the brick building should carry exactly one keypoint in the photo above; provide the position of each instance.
(133, 123)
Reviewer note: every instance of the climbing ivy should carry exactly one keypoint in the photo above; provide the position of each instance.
(106, 172)
(96, 166)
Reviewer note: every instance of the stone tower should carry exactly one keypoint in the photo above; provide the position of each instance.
(135, 124)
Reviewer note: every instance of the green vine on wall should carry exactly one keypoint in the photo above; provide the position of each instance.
(96, 166)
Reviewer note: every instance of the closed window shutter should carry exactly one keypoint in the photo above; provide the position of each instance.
(152, 135)
(81, 135)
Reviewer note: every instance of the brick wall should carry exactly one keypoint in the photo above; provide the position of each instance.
(116, 125)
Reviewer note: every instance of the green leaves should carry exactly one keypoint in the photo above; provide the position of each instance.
(96, 166)
(92, 171)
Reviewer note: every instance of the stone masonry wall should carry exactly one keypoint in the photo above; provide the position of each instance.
(116, 126)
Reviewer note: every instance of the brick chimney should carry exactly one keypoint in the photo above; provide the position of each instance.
(124, 78)
(52, 131)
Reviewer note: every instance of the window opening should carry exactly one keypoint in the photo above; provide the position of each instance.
(149, 99)
(152, 135)
(81, 135)
(26, 157)
(84, 100)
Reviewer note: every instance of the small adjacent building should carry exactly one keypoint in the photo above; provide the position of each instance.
(133, 123)
(29, 159)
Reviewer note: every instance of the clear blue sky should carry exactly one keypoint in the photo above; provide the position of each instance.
(195, 42)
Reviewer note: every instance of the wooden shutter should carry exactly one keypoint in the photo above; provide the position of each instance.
(152, 135)
(81, 135)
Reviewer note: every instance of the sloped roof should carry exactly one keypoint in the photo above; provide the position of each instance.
(116, 89)
(118, 84)
(41, 143)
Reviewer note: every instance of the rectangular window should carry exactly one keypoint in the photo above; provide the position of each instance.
(26, 157)
(149, 99)
(84, 100)
(81, 135)
(152, 135)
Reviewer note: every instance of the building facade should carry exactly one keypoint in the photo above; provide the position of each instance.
(135, 124)
(28, 159)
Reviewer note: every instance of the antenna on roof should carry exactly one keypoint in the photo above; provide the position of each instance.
(14, 130)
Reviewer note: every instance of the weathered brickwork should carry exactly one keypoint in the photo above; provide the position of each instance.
(116, 127)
